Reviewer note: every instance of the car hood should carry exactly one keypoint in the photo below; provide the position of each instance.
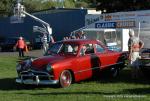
(41, 63)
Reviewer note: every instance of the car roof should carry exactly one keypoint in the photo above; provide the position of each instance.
(79, 41)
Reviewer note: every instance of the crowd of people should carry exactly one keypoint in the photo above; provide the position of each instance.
(78, 35)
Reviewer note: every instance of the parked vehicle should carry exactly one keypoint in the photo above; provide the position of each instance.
(145, 62)
(1, 41)
(37, 45)
(70, 61)
(7, 44)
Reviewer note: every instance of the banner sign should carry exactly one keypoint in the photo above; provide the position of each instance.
(118, 24)
(105, 25)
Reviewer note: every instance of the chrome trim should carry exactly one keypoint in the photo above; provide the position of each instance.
(30, 77)
(86, 70)
(43, 82)
(33, 71)
(59, 48)
(97, 67)
(112, 64)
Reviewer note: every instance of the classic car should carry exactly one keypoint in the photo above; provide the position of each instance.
(70, 61)
(145, 62)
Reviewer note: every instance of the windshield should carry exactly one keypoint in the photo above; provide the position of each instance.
(63, 48)
(54, 48)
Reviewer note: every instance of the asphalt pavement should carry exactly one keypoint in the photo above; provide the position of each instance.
(33, 53)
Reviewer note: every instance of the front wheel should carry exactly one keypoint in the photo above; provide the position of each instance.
(65, 79)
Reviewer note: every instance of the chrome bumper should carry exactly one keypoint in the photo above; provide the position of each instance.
(35, 78)
(37, 82)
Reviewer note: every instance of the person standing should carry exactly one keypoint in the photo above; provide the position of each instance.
(45, 44)
(52, 41)
(82, 35)
(134, 46)
(21, 45)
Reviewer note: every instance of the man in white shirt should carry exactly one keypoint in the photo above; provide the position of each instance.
(134, 46)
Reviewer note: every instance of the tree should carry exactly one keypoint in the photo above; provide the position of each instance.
(122, 5)
(37, 5)
(5, 7)
(85, 3)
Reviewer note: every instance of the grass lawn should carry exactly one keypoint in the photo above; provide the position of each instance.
(122, 88)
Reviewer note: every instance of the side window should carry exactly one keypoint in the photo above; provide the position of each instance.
(99, 48)
(87, 49)
(69, 49)
(66, 48)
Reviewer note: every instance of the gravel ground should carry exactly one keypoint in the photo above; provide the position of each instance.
(33, 53)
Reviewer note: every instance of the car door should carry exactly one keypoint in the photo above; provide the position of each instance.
(104, 56)
(87, 61)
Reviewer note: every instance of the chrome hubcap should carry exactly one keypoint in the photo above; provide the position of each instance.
(65, 79)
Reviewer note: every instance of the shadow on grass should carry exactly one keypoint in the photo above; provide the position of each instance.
(74, 93)
(124, 77)
(9, 84)
(138, 91)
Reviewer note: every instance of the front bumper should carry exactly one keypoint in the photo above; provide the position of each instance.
(42, 82)
(35, 78)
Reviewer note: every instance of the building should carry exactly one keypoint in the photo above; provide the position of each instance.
(62, 20)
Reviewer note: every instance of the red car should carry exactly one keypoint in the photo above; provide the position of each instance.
(69, 61)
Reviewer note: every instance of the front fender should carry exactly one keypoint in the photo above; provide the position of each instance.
(58, 68)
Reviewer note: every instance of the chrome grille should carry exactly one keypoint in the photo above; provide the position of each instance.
(25, 75)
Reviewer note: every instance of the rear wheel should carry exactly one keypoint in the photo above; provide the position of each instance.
(114, 71)
(65, 79)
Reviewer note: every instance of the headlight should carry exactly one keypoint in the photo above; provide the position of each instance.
(49, 67)
(28, 62)
(18, 67)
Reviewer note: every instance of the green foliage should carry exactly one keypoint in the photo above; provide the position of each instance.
(5, 7)
(122, 5)
(69, 4)
(81, 4)
(32, 5)
(36, 5)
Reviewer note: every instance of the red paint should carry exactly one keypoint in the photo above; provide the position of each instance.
(81, 66)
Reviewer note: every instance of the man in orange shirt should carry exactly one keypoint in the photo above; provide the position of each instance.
(21, 46)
